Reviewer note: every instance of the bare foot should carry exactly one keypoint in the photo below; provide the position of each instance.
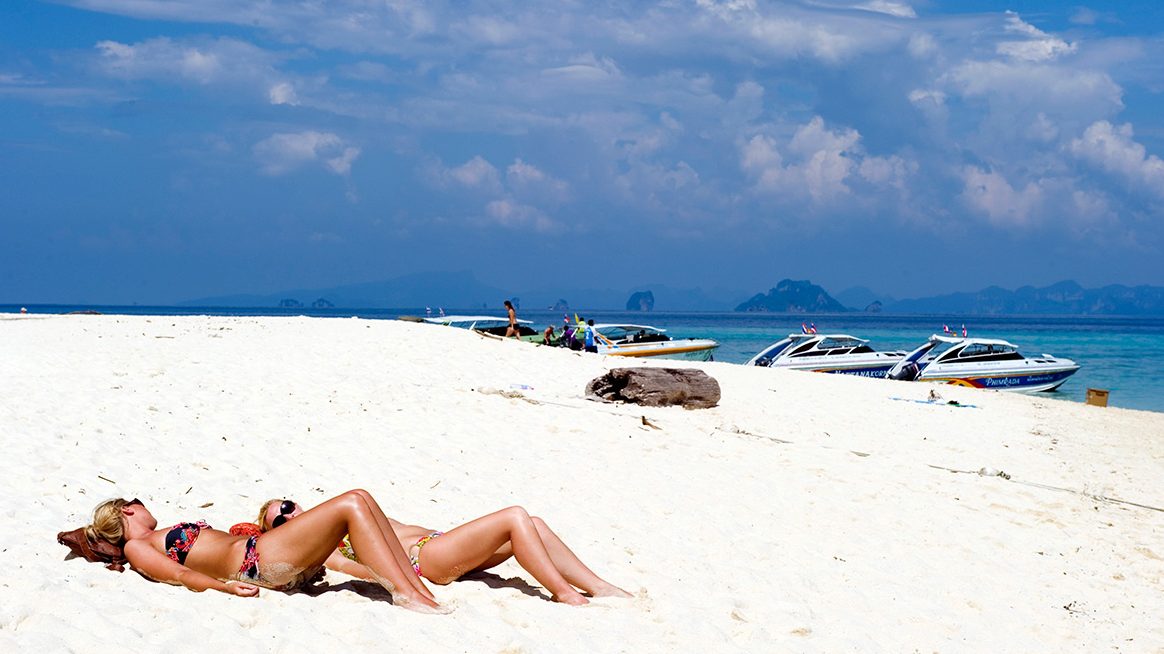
(610, 590)
(575, 599)
(420, 604)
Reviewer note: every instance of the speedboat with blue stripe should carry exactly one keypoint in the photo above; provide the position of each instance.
(835, 353)
(982, 363)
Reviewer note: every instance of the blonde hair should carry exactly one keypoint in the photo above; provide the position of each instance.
(262, 521)
(107, 523)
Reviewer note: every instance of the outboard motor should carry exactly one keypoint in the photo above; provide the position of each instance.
(904, 371)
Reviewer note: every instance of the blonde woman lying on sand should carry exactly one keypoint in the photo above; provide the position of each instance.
(199, 557)
(476, 545)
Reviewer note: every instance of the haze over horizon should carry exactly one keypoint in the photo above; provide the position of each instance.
(156, 151)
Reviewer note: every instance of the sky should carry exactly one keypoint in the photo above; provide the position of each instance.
(154, 151)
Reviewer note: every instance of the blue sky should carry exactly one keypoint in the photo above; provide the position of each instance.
(154, 151)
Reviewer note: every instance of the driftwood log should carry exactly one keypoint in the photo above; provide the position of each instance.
(692, 389)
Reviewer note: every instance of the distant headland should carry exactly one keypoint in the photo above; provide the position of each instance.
(793, 297)
(1063, 298)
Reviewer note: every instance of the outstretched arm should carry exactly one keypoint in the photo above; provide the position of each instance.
(159, 567)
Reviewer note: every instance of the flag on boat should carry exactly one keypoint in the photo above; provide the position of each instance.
(812, 326)
(963, 331)
(946, 329)
(803, 328)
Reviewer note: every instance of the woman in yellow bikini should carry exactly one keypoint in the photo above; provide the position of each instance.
(476, 545)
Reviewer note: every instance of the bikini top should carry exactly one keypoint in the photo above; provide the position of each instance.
(181, 538)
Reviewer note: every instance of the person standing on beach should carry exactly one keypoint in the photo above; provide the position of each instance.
(512, 329)
(591, 344)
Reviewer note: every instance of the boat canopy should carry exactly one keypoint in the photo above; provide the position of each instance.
(458, 320)
(827, 344)
(626, 327)
(948, 348)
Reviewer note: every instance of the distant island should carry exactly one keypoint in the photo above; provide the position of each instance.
(641, 301)
(462, 290)
(793, 297)
(1064, 298)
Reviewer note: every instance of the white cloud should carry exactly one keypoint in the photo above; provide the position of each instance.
(819, 161)
(586, 68)
(489, 29)
(475, 173)
(513, 196)
(990, 194)
(791, 31)
(1013, 88)
(284, 152)
(664, 188)
(1042, 129)
(922, 45)
(519, 172)
(283, 93)
(899, 9)
(745, 106)
(202, 61)
(931, 103)
(1113, 150)
(510, 214)
(1037, 44)
(526, 177)
(759, 154)
(927, 97)
(342, 164)
(886, 171)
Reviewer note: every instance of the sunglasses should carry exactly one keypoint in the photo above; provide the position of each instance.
(285, 511)
(134, 501)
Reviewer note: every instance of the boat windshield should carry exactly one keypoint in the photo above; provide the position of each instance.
(930, 351)
(832, 345)
(775, 350)
(632, 333)
(985, 352)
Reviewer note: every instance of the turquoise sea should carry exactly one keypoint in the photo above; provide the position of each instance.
(1123, 355)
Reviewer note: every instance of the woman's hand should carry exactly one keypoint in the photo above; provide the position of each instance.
(241, 589)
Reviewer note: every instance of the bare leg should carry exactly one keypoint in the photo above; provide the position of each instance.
(572, 567)
(469, 546)
(311, 537)
(568, 563)
(388, 529)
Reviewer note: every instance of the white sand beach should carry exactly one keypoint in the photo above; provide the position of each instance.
(805, 513)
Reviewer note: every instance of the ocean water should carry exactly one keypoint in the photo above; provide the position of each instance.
(1123, 355)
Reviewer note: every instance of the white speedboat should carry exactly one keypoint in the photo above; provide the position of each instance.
(982, 363)
(835, 353)
(492, 325)
(626, 340)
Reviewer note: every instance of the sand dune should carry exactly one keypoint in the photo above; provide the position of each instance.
(805, 513)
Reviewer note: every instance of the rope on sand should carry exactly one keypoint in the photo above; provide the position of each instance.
(990, 472)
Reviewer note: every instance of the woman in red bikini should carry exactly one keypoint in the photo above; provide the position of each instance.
(199, 557)
(476, 545)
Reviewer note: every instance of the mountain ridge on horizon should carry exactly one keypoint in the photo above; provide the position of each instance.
(462, 290)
